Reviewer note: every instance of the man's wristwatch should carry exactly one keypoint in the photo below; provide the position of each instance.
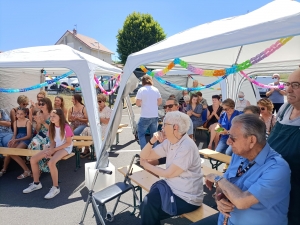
(217, 179)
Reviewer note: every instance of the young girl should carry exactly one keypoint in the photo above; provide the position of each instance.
(60, 135)
(21, 138)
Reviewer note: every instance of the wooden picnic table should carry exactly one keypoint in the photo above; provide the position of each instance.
(216, 156)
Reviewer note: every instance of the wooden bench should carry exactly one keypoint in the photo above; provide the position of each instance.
(26, 152)
(144, 179)
(217, 156)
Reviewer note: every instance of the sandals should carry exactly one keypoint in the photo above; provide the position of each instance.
(85, 153)
(24, 175)
(2, 172)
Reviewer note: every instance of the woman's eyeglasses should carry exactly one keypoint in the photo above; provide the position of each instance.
(41, 104)
(169, 106)
(226, 109)
(294, 85)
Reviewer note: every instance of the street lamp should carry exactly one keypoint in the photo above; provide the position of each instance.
(98, 49)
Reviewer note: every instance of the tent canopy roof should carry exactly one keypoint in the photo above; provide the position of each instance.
(217, 44)
(52, 54)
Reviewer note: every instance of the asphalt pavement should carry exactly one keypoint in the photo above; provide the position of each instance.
(67, 207)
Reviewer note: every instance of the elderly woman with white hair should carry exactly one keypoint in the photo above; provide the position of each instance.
(182, 189)
(241, 103)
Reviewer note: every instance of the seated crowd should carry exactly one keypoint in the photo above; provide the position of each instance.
(47, 127)
(261, 184)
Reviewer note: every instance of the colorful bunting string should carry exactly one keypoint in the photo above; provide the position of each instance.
(114, 87)
(37, 86)
(281, 86)
(222, 73)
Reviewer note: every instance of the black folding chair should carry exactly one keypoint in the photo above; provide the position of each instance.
(106, 195)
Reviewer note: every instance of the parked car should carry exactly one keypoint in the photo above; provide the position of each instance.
(264, 80)
(75, 83)
(65, 81)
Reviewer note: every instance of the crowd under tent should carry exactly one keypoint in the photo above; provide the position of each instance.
(21, 68)
(221, 44)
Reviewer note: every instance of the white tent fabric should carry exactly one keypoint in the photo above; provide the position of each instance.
(222, 43)
(62, 56)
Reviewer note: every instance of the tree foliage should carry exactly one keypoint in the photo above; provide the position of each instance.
(139, 31)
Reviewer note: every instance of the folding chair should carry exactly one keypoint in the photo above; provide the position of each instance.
(106, 195)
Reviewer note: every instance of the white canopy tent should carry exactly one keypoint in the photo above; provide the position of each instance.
(32, 60)
(222, 43)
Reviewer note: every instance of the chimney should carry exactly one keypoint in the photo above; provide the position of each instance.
(74, 31)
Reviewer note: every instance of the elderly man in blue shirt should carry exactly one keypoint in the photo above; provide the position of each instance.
(255, 188)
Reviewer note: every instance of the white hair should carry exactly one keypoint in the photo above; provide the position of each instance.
(181, 119)
(186, 98)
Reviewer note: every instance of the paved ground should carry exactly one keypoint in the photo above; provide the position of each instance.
(66, 208)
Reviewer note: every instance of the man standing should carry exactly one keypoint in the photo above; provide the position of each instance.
(148, 98)
(256, 186)
(284, 138)
(276, 95)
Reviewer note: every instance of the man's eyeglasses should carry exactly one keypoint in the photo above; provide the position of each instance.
(41, 104)
(169, 106)
(232, 138)
(167, 124)
(294, 85)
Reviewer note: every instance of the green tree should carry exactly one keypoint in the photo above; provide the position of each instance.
(139, 31)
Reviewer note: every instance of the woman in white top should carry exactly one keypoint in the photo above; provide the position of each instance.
(104, 113)
(241, 102)
(60, 135)
(183, 176)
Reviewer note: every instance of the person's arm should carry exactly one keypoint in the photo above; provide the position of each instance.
(172, 171)
(198, 111)
(208, 116)
(5, 123)
(147, 152)
(12, 116)
(268, 93)
(138, 102)
(29, 130)
(65, 145)
(159, 101)
(282, 92)
(248, 103)
(70, 117)
(241, 199)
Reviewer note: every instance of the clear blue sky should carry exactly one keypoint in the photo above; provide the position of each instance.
(35, 23)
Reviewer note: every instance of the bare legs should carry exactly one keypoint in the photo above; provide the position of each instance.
(214, 136)
(20, 161)
(52, 165)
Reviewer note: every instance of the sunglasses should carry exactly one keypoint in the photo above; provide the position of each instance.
(24, 104)
(262, 108)
(41, 104)
(169, 106)
(100, 101)
(275, 77)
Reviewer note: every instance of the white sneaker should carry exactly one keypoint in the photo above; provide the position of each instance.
(32, 187)
(52, 193)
